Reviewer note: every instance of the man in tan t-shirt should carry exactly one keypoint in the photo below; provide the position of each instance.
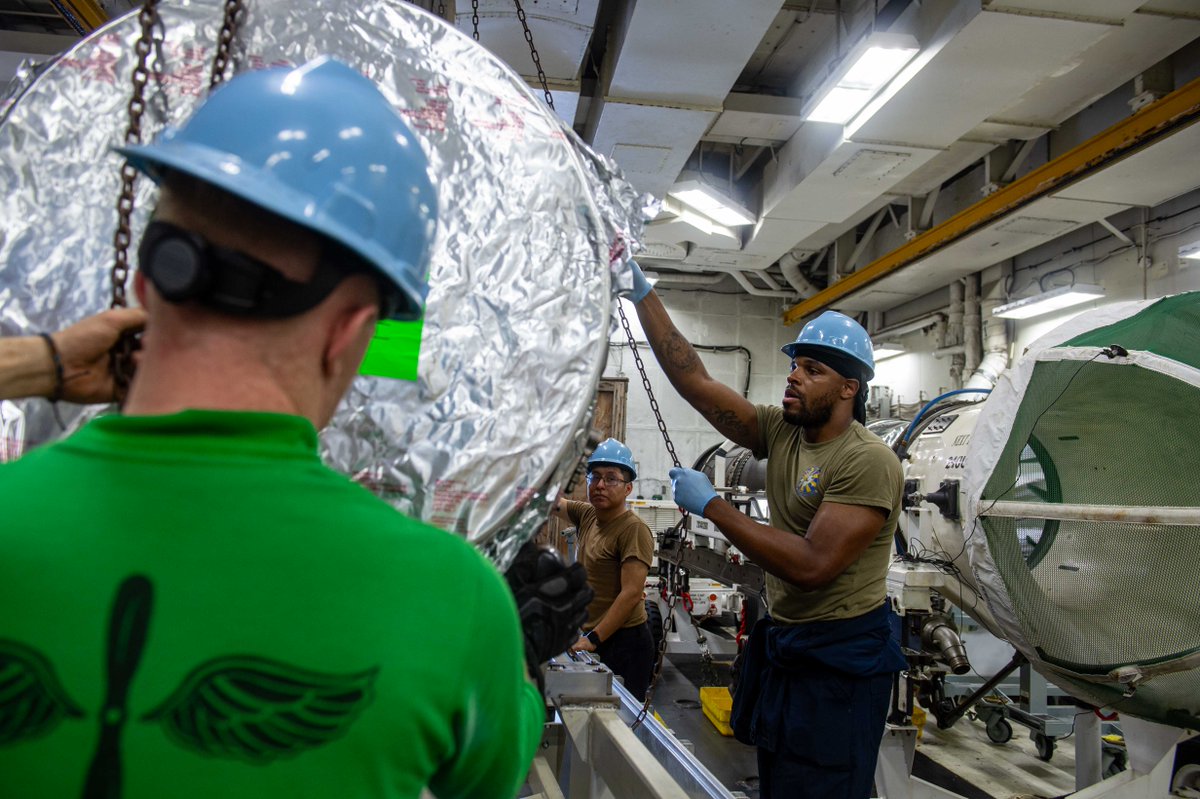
(616, 547)
(817, 672)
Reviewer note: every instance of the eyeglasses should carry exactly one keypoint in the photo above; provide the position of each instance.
(612, 481)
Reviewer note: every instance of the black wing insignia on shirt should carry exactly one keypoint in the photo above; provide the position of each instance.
(32, 699)
(261, 710)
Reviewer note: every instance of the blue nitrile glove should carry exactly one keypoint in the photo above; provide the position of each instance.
(641, 287)
(693, 491)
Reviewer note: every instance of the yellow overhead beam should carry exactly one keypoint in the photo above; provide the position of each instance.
(87, 13)
(1158, 120)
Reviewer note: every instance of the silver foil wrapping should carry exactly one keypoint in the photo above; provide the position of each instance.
(533, 238)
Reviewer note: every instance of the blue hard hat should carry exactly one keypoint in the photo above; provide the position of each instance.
(835, 332)
(321, 146)
(612, 453)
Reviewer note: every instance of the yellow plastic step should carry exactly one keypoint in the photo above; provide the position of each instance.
(717, 705)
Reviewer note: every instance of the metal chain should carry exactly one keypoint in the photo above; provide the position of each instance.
(708, 670)
(672, 591)
(662, 428)
(673, 595)
(229, 26)
(441, 10)
(121, 356)
(641, 367)
(537, 61)
(475, 19)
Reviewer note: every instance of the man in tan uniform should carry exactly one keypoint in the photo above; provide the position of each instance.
(616, 547)
(817, 673)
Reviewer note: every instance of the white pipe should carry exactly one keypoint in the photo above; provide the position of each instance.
(995, 334)
(920, 323)
(755, 290)
(954, 328)
(972, 325)
(946, 352)
(695, 280)
(790, 264)
(989, 370)
(770, 281)
(995, 341)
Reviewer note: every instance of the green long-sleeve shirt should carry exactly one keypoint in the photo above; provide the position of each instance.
(194, 606)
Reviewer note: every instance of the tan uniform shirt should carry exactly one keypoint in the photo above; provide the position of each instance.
(856, 468)
(602, 548)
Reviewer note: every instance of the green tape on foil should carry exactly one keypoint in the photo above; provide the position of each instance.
(394, 351)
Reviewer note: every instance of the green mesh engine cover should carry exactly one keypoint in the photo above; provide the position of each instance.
(1099, 601)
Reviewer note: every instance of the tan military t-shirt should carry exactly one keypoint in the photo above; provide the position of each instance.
(856, 468)
(602, 548)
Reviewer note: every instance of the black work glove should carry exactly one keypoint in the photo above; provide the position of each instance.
(552, 599)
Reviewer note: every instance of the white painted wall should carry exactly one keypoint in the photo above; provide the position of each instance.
(708, 319)
(915, 376)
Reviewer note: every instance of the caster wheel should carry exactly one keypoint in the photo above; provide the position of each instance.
(1045, 747)
(999, 731)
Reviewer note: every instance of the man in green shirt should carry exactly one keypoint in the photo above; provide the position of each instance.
(817, 675)
(194, 606)
(616, 548)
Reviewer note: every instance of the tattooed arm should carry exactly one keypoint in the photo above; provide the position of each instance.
(728, 411)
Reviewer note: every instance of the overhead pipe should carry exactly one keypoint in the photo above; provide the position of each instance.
(946, 352)
(771, 282)
(694, 280)
(911, 326)
(995, 342)
(755, 290)
(789, 264)
(989, 371)
(954, 332)
(972, 324)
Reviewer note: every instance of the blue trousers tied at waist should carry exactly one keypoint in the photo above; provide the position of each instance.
(813, 698)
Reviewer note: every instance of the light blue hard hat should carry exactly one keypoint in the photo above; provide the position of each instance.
(612, 453)
(319, 145)
(836, 332)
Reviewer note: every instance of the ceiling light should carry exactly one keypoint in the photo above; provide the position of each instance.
(1053, 300)
(887, 349)
(1191, 251)
(865, 70)
(702, 222)
(712, 202)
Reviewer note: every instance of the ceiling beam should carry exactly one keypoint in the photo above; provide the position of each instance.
(1153, 123)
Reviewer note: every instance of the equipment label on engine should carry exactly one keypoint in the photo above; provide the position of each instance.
(939, 424)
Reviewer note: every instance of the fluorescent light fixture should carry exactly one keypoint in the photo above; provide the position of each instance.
(865, 70)
(887, 349)
(712, 202)
(1053, 300)
(1190, 252)
(702, 222)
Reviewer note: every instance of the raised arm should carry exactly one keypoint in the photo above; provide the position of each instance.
(729, 412)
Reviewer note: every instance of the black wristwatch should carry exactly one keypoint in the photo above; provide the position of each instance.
(594, 637)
